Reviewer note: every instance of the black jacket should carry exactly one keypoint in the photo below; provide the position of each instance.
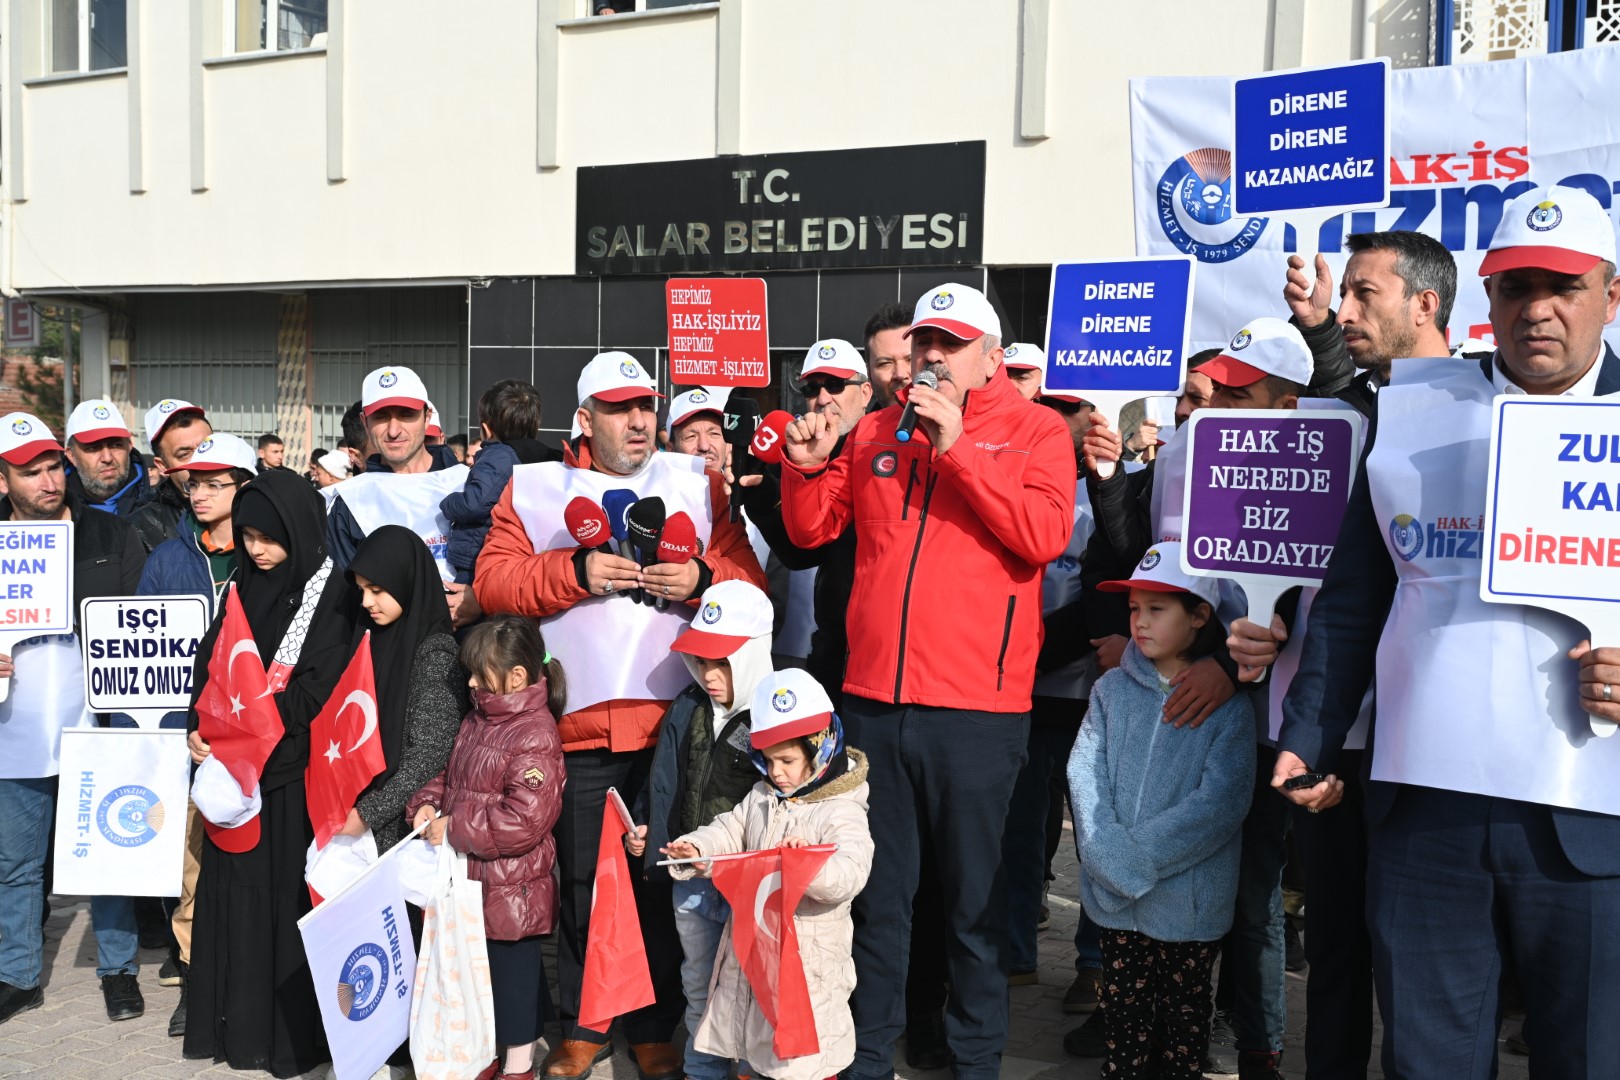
(1341, 647)
(158, 519)
(662, 796)
(137, 491)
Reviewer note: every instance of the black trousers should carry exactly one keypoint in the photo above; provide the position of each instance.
(941, 777)
(578, 832)
(1155, 1005)
(1339, 993)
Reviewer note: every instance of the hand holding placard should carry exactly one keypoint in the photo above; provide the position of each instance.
(1552, 465)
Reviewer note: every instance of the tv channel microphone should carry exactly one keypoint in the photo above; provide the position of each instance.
(617, 503)
(587, 523)
(645, 521)
(678, 543)
(908, 415)
(739, 422)
(768, 437)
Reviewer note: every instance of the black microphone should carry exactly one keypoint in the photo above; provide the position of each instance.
(908, 415)
(739, 422)
(644, 523)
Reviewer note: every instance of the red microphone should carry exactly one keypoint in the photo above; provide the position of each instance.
(767, 442)
(587, 523)
(678, 543)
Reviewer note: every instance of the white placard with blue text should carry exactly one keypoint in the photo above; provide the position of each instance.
(1311, 139)
(139, 652)
(121, 812)
(1116, 331)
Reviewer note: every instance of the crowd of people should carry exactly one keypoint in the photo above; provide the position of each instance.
(918, 649)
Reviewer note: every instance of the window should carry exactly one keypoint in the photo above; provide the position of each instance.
(625, 7)
(1469, 31)
(85, 35)
(273, 25)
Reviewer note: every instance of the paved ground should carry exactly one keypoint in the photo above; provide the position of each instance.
(69, 1037)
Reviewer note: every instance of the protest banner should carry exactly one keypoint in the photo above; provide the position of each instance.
(718, 334)
(1116, 331)
(36, 583)
(1552, 536)
(1265, 492)
(1464, 139)
(1311, 139)
(121, 812)
(363, 962)
(139, 652)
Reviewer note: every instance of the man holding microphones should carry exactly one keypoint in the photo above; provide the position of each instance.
(953, 529)
(544, 558)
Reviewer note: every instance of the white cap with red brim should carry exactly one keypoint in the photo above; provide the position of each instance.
(222, 451)
(695, 402)
(23, 437)
(389, 386)
(96, 419)
(1265, 346)
(159, 415)
(788, 704)
(615, 376)
(1562, 229)
(1021, 354)
(1160, 571)
(959, 310)
(835, 357)
(729, 614)
(230, 817)
(434, 428)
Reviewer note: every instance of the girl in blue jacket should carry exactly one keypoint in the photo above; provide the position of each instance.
(1159, 811)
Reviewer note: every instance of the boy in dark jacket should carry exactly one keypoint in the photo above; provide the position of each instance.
(701, 770)
(509, 417)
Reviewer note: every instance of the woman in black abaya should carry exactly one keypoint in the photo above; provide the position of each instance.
(251, 1002)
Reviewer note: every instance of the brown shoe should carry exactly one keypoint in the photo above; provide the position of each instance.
(1083, 993)
(658, 1061)
(573, 1059)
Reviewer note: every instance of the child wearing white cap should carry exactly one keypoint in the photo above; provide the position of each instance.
(814, 792)
(1159, 812)
(701, 769)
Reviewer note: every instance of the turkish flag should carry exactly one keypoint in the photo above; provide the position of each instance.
(345, 751)
(236, 714)
(617, 979)
(764, 890)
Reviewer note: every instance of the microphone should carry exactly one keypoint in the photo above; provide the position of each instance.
(678, 543)
(617, 503)
(739, 421)
(767, 441)
(645, 521)
(587, 523)
(908, 415)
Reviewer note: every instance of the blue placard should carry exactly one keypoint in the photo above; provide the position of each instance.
(1309, 140)
(1119, 327)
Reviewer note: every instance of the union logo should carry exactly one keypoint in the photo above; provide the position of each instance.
(628, 369)
(711, 613)
(100, 412)
(784, 700)
(1544, 216)
(941, 301)
(1241, 341)
(21, 427)
(130, 815)
(362, 980)
(1406, 536)
(387, 379)
(826, 352)
(1151, 559)
(1195, 208)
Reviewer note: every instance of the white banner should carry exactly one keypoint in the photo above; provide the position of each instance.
(364, 965)
(1464, 140)
(121, 812)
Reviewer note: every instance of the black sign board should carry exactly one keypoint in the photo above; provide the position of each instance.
(880, 206)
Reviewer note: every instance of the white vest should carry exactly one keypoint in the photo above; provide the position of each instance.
(1471, 696)
(611, 647)
(409, 499)
(1060, 586)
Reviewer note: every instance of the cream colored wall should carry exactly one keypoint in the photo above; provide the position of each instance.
(440, 103)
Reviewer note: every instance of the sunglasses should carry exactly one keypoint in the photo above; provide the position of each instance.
(812, 387)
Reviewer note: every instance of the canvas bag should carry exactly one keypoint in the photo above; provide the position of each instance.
(453, 1011)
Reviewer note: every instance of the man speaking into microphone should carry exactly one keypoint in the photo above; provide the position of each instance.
(953, 529)
(621, 674)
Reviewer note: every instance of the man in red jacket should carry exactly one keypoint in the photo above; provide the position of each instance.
(954, 528)
(621, 674)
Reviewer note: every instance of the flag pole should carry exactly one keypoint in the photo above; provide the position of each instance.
(738, 855)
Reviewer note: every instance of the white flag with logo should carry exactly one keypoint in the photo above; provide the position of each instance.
(121, 812)
(364, 966)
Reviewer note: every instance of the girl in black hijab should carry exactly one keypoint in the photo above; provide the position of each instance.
(421, 685)
(250, 1000)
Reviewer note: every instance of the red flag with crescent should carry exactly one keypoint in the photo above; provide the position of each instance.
(345, 751)
(236, 714)
(617, 978)
(764, 891)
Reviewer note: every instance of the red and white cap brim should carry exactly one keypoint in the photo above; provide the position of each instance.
(793, 729)
(965, 331)
(708, 645)
(28, 451)
(1531, 257)
(1228, 370)
(387, 402)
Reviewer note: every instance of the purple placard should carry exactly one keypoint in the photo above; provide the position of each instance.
(1266, 491)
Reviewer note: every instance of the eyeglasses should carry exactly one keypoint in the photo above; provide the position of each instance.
(811, 388)
(208, 487)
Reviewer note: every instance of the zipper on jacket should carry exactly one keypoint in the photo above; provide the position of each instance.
(1006, 636)
(911, 572)
(905, 504)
